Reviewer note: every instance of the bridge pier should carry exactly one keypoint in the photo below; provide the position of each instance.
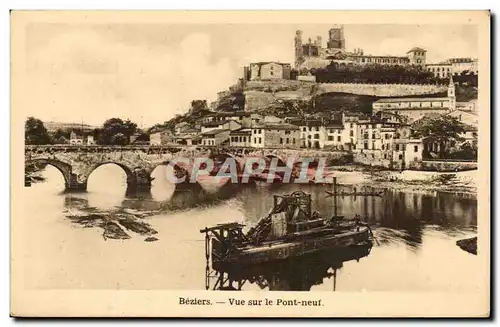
(75, 185)
(139, 182)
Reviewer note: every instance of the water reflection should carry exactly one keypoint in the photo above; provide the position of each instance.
(415, 236)
(297, 274)
(395, 217)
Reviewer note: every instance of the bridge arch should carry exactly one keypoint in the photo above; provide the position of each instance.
(240, 161)
(63, 167)
(128, 170)
(281, 163)
(179, 170)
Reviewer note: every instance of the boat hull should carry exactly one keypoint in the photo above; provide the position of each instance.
(282, 250)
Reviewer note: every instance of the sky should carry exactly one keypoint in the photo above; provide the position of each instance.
(150, 72)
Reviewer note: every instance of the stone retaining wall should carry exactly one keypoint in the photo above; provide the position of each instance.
(443, 166)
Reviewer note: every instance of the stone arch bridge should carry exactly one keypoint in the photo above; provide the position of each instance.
(76, 163)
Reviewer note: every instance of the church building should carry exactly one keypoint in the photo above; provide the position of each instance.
(416, 108)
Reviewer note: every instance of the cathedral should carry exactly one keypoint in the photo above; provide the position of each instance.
(312, 54)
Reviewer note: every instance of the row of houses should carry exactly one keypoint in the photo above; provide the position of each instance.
(383, 138)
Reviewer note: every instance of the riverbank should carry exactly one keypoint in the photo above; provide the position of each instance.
(468, 245)
(407, 180)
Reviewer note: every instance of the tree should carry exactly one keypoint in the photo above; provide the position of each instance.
(35, 132)
(442, 129)
(198, 105)
(119, 139)
(114, 126)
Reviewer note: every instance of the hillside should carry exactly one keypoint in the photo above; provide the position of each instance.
(292, 97)
(54, 126)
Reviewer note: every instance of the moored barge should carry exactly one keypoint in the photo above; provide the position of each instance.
(290, 230)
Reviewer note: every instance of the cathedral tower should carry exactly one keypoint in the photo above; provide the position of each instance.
(336, 38)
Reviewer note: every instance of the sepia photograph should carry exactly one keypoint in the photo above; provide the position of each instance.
(322, 154)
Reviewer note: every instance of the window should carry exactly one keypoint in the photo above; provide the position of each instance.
(330, 138)
(373, 135)
(400, 157)
(397, 147)
(339, 138)
(254, 140)
(351, 133)
(415, 148)
(316, 136)
(352, 125)
(293, 140)
(260, 140)
(281, 140)
(366, 136)
(287, 132)
(287, 140)
(373, 156)
(366, 146)
(385, 155)
(304, 129)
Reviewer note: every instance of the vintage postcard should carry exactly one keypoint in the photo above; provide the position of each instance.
(250, 164)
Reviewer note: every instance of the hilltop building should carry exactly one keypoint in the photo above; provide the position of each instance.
(269, 70)
(312, 54)
(453, 67)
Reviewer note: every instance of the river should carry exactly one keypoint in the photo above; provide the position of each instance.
(415, 235)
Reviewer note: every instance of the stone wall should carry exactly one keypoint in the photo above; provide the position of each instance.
(261, 94)
(332, 157)
(380, 90)
(443, 166)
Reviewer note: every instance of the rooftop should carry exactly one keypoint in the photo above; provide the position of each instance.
(215, 123)
(232, 114)
(416, 49)
(190, 130)
(334, 126)
(269, 62)
(442, 63)
(278, 126)
(215, 132)
(241, 131)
